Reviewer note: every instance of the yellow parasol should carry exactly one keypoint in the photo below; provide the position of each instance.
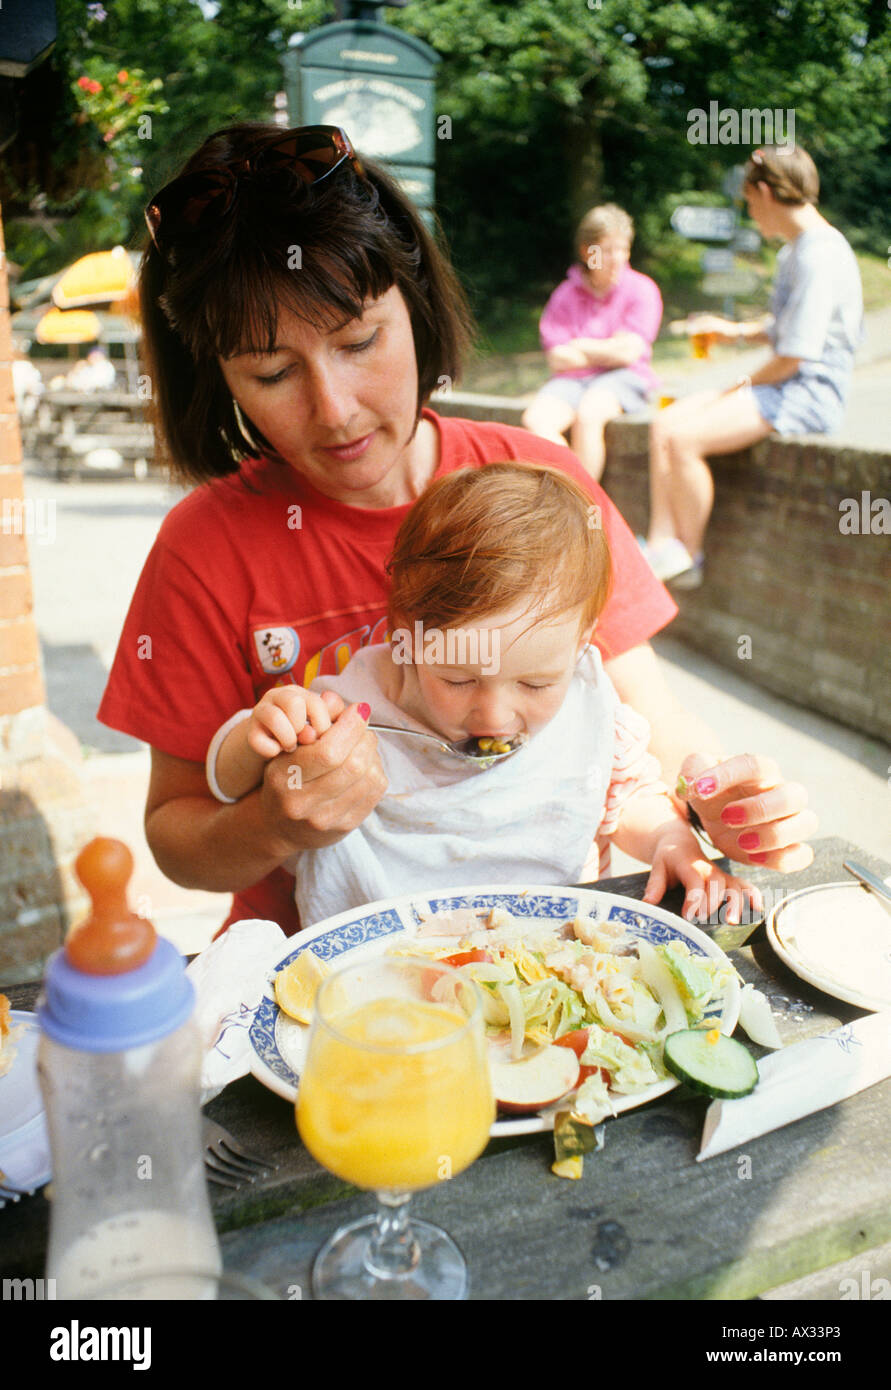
(73, 326)
(100, 278)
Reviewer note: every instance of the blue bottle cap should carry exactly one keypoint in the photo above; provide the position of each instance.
(110, 1013)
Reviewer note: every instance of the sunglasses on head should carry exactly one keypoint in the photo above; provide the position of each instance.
(310, 152)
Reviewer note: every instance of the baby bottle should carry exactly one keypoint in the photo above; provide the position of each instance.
(119, 1064)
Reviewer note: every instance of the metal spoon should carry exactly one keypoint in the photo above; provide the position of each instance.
(467, 749)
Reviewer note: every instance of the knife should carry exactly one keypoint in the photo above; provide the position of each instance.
(869, 880)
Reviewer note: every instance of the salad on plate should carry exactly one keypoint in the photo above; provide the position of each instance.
(589, 1011)
(577, 1014)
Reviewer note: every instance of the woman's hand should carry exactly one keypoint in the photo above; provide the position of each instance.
(678, 858)
(748, 812)
(317, 793)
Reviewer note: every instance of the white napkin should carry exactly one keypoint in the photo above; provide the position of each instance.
(25, 1160)
(229, 979)
(801, 1079)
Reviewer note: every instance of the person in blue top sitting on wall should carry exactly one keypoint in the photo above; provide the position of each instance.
(814, 328)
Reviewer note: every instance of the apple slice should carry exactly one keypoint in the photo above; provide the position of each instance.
(534, 1081)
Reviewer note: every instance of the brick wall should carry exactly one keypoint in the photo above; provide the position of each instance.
(44, 818)
(814, 602)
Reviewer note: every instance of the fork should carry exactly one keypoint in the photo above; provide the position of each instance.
(227, 1163)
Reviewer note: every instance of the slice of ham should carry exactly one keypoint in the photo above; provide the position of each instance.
(458, 921)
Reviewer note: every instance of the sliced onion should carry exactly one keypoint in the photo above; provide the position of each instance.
(511, 996)
(657, 975)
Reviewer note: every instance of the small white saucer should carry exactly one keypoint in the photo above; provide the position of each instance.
(836, 936)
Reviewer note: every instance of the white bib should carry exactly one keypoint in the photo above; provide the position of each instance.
(442, 823)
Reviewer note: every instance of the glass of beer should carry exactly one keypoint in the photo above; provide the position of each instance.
(395, 1096)
(702, 343)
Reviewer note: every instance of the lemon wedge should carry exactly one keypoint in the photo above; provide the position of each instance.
(298, 984)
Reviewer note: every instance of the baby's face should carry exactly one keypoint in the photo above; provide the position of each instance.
(498, 676)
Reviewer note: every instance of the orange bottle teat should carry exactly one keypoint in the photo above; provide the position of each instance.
(112, 939)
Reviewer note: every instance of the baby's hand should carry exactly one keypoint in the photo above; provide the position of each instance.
(285, 717)
(679, 859)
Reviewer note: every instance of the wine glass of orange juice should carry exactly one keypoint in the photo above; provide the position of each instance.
(395, 1096)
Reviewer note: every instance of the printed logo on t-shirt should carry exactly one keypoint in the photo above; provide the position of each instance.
(277, 648)
(334, 656)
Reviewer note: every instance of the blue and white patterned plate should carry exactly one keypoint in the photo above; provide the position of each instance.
(279, 1042)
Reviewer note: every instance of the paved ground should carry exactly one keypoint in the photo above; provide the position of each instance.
(95, 536)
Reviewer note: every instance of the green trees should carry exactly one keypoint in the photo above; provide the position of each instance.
(78, 174)
(554, 105)
(559, 104)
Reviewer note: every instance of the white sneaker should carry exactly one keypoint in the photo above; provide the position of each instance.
(667, 559)
(691, 578)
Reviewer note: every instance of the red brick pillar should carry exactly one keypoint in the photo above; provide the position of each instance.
(43, 815)
(21, 684)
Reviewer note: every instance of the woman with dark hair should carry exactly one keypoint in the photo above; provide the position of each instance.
(297, 316)
(814, 327)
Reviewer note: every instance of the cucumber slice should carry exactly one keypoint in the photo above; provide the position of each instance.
(723, 1068)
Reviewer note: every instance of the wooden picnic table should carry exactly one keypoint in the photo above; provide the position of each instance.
(646, 1221)
(69, 425)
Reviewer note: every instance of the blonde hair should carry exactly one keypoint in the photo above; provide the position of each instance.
(481, 541)
(791, 174)
(606, 220)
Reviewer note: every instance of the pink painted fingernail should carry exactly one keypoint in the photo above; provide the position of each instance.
(365, 711)
(707, 786)
(733, 815)
(750, 840)
(758, 858)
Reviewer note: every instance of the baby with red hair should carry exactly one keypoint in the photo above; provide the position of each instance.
(498, 577)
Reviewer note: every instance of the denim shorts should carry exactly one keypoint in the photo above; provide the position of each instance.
(630, 390)
(801, 405)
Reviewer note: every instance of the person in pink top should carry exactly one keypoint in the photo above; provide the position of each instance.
(598, 330)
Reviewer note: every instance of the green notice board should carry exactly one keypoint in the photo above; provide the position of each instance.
(378, 84)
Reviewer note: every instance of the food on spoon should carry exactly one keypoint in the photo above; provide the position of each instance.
(534, 1081)
(498, 745)
(711, 1063)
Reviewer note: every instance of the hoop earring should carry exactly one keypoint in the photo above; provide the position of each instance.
(242, 427)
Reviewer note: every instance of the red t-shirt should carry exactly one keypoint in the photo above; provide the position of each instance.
(258, 579)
